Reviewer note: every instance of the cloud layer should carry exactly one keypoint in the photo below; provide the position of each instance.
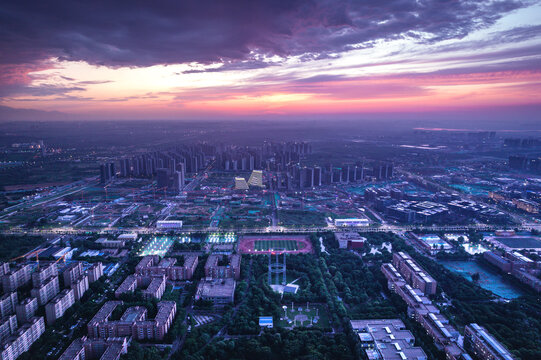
(244, 57)
(144, 33)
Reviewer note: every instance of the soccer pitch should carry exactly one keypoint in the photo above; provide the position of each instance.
(266, 245)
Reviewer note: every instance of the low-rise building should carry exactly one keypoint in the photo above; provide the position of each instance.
(350, 240)
(499, 261)
(115, 244)
(423, 311)
(220, 292)
(169, 224)
(351, 222)
(387, 339)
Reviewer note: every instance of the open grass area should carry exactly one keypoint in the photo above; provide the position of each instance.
(301, 218)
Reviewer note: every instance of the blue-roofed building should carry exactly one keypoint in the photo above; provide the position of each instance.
(266, 321)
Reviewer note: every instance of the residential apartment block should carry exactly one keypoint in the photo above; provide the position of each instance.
(153, 265)
(26, 309)
(133, 322)
(152, 287)
(43, 274)
(94, 272)
(482, 345)
(222, 266)
(58, 306)
(414, 274)
(16, 278)
(103, 349)
(21, 340)
(46, 291)
(72, 272)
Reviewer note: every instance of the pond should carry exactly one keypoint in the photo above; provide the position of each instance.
(489, 279)
(474, 249)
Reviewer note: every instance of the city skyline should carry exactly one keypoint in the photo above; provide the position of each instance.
(294, 60)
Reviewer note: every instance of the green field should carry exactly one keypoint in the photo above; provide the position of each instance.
(265, 245)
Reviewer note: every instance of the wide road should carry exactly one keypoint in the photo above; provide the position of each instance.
(270, 229)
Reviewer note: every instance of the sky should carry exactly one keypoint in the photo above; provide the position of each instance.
(266, 59)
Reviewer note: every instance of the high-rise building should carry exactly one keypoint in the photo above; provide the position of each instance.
(317, 176)
(178, 181)
(8, 303)
(58, 306)
(162, 178)
(72, 272)
(16, 278)
(27, 309)
(46, 291)
(125, 168)
(107, 172)
(79, 286)
(94, 272)
(43, 274)
(21, 341)
(8, 326)
(4, 268)
(240, 184)
(256, 179)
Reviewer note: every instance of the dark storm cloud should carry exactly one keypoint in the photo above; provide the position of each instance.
(143, 33)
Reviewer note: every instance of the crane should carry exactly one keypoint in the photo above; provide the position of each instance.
(35, 252)
(63, 257)
(164, 192)
(105, 188)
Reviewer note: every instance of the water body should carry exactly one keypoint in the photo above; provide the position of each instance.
(489, 280)
(474, 249)
(473, 189)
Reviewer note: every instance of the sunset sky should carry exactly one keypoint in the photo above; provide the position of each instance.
(242, 59)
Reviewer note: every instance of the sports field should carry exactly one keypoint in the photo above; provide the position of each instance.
(265, 244)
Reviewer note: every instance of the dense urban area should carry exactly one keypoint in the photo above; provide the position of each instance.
(188, 241)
